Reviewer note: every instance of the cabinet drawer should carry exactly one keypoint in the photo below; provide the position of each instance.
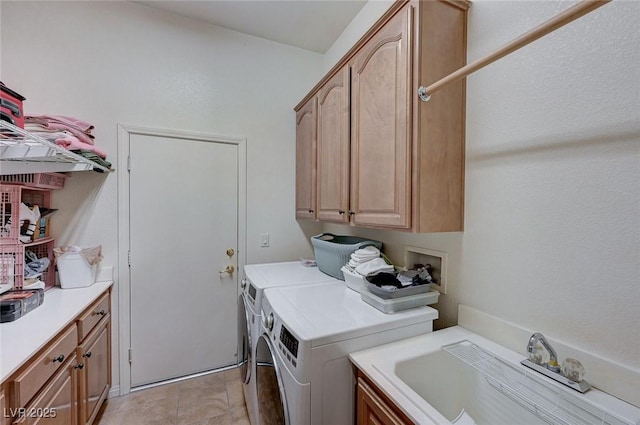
(29, 382)
(90, 318)
(57, 403)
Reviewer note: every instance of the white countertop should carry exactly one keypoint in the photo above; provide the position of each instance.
(22, 338)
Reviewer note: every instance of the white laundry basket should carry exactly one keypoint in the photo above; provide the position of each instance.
(74, 270)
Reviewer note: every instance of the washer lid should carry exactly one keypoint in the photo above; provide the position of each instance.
(331, 312)
(282, 274)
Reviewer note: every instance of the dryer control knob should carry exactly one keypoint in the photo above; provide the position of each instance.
(267, 321)
(243, 283)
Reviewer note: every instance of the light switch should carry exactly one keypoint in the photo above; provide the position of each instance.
(264, 240)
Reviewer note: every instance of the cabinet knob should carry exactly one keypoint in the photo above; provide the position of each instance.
(87, 354)
(341, 212)
(351, 213)
(101, 313)
(59, 358)
(310, 211)
(79, 366)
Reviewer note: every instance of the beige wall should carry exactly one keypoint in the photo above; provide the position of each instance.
(552, 223)
(552, 220)
(120, 63)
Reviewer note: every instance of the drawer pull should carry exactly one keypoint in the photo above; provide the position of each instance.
(87, 354)
(100, 313)
(79, 366)
(60, 358)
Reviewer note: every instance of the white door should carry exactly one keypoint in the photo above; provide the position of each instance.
(183, 216)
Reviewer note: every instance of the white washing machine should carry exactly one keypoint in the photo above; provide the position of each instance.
(258, 277)
(303, 373)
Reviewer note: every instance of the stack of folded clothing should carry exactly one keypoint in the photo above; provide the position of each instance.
(366, 261)
(70, 133)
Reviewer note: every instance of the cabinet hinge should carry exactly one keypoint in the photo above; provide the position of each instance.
(129, 258)
(130, 355)
(128, 162)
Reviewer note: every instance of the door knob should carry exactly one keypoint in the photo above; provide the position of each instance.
(228, 269)
(230, 252)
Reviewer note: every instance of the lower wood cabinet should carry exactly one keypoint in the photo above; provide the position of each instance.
(69, 379)
(95, 376)
(4, 409)
(57, 402)
(374, 408)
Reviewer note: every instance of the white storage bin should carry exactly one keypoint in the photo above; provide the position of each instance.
(391, 305)
(74, 271)
(354, 280)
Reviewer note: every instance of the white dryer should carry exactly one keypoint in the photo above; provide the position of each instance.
(303, 373)
(258, 277)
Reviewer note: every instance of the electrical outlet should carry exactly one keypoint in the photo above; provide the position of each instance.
(264, 240)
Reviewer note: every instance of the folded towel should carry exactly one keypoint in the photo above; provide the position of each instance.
(370, 249)
(363, 255)
(374, 266)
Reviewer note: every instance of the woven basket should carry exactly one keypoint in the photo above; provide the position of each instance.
(332, 252)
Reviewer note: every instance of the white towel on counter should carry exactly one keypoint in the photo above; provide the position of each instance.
(363, 255)
(366, 253)
(374, 266)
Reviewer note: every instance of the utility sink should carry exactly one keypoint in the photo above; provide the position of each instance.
(456, 376)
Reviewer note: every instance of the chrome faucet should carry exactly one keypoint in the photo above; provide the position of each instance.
(552, 369)
(552, 364)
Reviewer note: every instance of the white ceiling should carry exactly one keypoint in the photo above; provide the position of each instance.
(309, 24)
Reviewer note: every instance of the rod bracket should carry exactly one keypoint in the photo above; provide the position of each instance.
(422, 93)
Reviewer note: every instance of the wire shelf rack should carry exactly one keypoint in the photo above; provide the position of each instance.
(24, 152)
(547, 401)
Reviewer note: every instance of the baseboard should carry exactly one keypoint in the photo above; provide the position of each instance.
(114, 392)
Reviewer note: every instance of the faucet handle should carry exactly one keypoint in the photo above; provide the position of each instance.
(573, 369)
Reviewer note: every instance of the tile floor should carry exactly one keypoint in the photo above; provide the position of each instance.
(214, 399)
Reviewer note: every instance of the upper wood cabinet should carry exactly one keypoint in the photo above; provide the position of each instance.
(380, 127)
(403, 159)
(333, 149)
(306, 160)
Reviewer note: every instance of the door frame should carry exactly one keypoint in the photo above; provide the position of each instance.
(123, 284)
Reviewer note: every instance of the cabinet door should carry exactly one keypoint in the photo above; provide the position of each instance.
(306, 160)
(4, 409)
(95, 377)
(57, 403)
(333, 149)
(381, 126)
(372, 409)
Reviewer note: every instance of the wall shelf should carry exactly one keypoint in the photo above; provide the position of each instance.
(22, 152)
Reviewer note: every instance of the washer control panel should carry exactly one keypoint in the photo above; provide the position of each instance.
(289, 341)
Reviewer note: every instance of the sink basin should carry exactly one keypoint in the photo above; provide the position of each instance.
(453, 373)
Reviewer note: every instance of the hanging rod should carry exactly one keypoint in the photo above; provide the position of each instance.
(547, 27)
